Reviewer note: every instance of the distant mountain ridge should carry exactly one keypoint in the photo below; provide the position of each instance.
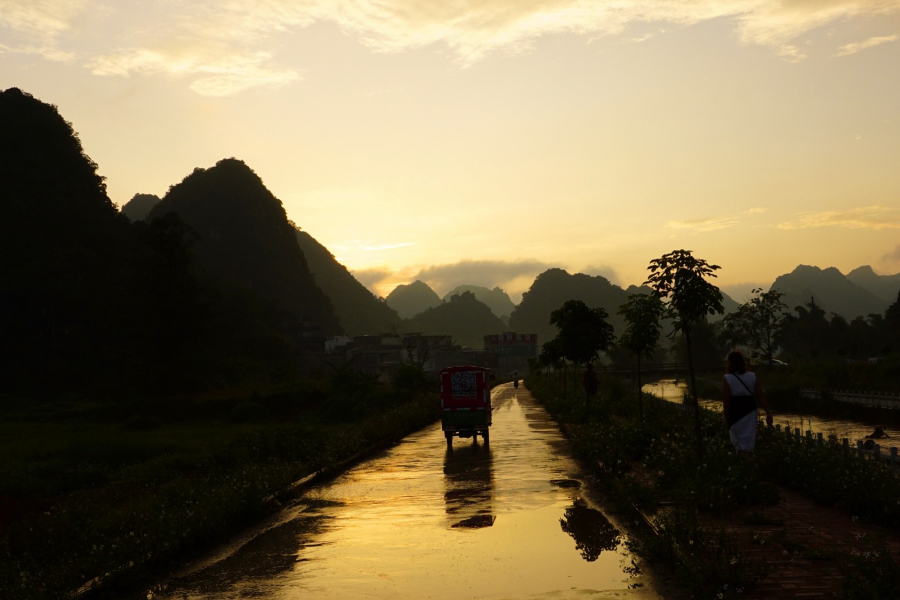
(885, 287)
(411, 299)
(140, 206)
(833, 291)
(555, 286)
(552, 288)
(245, 238)
(359, 311)
(465, 318)
(496, 299)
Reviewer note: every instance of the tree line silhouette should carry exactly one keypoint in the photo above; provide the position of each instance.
(682, 295)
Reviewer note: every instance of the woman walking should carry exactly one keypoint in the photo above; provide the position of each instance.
(741, 394)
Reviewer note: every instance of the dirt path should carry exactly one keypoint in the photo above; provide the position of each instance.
(801, 543)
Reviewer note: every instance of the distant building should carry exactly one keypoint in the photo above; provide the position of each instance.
(424, 348)
(463, 357)
(335, 342)
(381, 355)
(512, 350)
(304, 335)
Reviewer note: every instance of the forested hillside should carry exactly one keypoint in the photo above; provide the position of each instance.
(409, 300)
(463, 317)
(140, 206)
(360, 312)
(497, 300)
(95, 305)
(833, 292)
(246, 239)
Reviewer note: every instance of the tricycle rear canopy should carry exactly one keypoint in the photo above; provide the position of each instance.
(465, 387)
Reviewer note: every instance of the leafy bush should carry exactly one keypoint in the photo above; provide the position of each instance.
(831, 475)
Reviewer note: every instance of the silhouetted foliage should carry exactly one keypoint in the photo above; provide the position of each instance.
(757, 323)
(806, 333)
(552, 288)
(642, 328)
(679, 278)
(809, 334)
(583, 332)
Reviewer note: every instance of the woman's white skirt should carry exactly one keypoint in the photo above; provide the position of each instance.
(743, 433)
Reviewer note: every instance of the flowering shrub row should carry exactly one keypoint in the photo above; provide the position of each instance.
(653, 465)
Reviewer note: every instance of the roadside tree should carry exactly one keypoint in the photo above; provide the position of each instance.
(551, 356)
(642, 328)
(757, 323)
(583, 332)
(679, 279)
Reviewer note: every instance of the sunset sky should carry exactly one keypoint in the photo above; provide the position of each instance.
(485, 141)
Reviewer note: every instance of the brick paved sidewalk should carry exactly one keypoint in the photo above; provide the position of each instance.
(799, 542)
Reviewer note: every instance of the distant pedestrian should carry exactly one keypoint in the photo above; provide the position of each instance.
(741, 394)
(516, 379)
(589, 381)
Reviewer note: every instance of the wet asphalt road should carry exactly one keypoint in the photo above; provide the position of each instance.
(510, 520)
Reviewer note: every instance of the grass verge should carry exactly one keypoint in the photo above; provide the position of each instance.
(98, 492)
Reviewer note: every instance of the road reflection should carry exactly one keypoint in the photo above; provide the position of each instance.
(415, 521)
(469, 486)
(592, 532)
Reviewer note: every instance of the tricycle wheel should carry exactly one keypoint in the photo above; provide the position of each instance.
(486, 434)
(449, 437)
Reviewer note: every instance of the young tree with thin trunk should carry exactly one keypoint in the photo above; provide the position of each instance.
(583, 332)
(642, 313)
(757, 323)
(551, 355)
(679, 279)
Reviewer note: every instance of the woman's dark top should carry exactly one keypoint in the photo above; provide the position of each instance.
(742, 401)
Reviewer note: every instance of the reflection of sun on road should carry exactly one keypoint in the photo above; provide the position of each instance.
(512, 520)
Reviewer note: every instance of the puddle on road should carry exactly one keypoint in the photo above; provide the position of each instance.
(509, 520)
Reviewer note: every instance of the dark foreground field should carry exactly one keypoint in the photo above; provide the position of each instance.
(120, 490)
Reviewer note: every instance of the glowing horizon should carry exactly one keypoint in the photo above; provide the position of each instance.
(430, 137)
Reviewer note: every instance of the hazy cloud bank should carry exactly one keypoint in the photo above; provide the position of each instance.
(863, 217)
(487, 273)
(226, 47)
(372, 277)
(714, 223)
(849, 49)
(603, 271)
(893, 256)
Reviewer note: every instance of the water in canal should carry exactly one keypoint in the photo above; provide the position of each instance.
(512, 520)
(674, 391)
